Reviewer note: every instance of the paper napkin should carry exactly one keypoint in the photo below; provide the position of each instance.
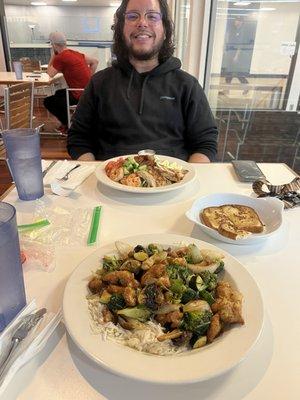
(76, 177)
(30, 346)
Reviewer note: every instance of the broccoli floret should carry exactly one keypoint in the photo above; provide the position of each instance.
(177, 288)
(207, 296)
(116, 302)
(189, 295)
(150, 296)
(210, 280)
(110, 263)
(140, 313)
(154, 248)
(196, 322)
(178, 272)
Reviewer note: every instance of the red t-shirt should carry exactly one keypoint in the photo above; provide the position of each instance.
(74, 68)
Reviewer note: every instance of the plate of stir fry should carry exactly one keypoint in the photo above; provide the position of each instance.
(145, 173)
(163, 308)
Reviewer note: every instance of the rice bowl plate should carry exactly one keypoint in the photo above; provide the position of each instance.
(108, 344)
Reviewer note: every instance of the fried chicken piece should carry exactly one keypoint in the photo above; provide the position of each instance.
(174, 318)
(95, 285)
(228, 304)
(107, 315)
(130, 296)
(115, 289)
(123, 278)
(214, 329)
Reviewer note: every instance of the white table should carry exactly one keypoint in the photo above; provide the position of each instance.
(271, 370)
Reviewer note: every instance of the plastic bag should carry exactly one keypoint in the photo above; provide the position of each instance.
(68, 227)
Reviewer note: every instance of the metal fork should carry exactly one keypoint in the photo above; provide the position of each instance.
(20, 334)
(66, 176)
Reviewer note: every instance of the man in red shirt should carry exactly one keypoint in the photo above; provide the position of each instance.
(77, 69)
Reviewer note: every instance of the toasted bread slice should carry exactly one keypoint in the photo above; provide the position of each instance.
(212, 217)
(229, 230)
(232, 220)
(243, 217)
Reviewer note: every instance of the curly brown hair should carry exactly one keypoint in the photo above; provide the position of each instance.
(120, 49)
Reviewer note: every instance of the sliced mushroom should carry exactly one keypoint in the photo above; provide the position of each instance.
(176, 333)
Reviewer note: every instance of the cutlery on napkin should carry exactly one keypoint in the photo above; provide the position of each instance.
(54, 176)
(30, 345)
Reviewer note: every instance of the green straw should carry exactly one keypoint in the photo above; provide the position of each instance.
(35, 225)
(94, 226)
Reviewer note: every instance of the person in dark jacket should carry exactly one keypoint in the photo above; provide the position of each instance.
(144, 100)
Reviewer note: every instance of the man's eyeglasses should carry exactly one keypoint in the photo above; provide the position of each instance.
(152, 17)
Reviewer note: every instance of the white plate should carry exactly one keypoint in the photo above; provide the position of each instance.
(189, 177)
(197, 365)
(269, 210)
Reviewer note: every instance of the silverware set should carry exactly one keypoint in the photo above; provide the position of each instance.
(23, 329)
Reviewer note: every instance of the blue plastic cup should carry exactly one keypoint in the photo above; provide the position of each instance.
(18, 68)
(24, 161)
(12, 291)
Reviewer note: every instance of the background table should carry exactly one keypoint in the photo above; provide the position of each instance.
(271, 370)
(9, 78)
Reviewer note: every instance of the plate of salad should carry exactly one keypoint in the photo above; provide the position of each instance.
(163, 308)
(145, 173)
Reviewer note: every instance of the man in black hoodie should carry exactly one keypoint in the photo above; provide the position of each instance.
(144, 101)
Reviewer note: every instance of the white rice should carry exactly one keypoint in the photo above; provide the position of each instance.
(139, 339)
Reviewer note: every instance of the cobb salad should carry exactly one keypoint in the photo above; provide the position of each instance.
(144, 171)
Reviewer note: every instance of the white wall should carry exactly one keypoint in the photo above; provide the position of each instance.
(84, 23)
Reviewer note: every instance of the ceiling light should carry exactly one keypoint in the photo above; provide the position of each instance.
(267, 9)
(242, 3)
(115, 4)
(70, 1)
(38, 3)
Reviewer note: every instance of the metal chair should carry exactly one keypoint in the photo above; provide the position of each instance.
(18, 105)
(71, 108)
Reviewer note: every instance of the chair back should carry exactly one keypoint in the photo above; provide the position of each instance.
(18, 104)
(30, 64)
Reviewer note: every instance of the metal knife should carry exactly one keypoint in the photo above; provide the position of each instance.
(49, 167)
(25, 326)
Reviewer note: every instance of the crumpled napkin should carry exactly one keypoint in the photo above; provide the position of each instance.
(76, 177)
(289, 193)
(30, 346)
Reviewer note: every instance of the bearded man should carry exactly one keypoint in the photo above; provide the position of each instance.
(144, 100)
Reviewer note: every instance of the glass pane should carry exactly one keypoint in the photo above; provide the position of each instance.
(252, 84)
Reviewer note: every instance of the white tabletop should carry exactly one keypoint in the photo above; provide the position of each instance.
(271, 370)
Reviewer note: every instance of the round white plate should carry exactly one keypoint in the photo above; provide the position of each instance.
(269, 210)
(189, 177)
(196, 365)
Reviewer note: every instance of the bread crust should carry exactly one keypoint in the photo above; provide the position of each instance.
(234, 221)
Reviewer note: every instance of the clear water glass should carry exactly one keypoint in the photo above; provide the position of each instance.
(12, 291)
(24, 161)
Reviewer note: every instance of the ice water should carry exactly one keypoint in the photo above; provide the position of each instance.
(27, 174)
(24, 161)
(12, 292)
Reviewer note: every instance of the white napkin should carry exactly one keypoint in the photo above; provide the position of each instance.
(31, 345)
(76, 177)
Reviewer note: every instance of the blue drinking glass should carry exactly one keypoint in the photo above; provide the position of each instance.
(24, 161)
(12, 291)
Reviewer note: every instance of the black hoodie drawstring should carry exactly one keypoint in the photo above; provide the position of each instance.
(129, 84)
(143, 95)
